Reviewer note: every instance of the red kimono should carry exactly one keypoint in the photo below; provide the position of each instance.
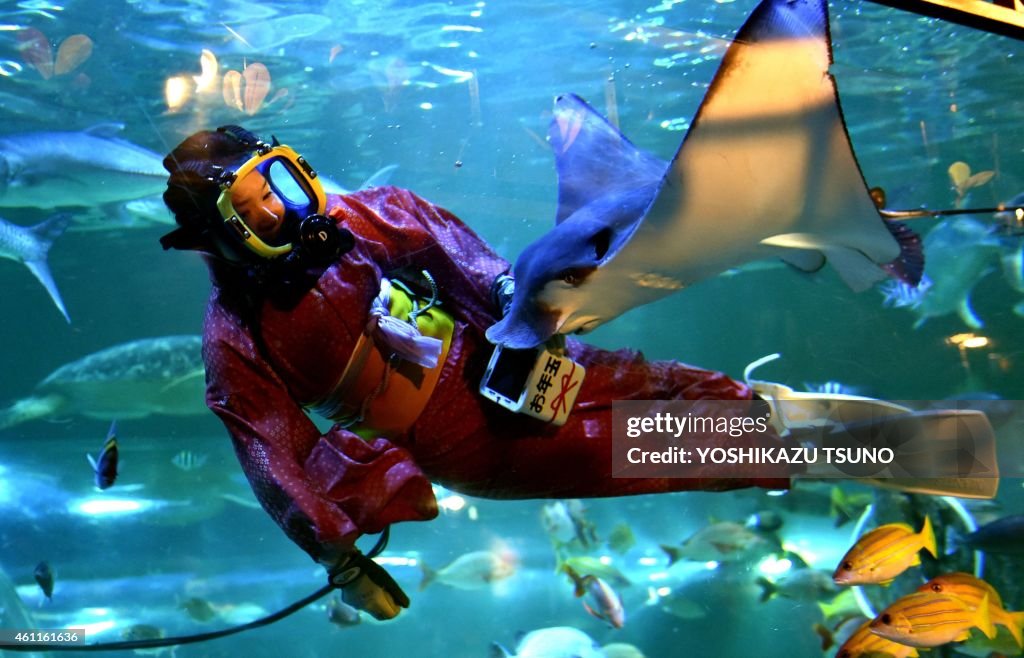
(266, 365)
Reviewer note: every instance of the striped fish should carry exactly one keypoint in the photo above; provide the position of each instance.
(972, 591)
(864, 643)
(187, 460)
(927, 619)
(884, 553)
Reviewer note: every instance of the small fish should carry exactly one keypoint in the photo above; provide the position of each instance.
(44, 576)
(199, 609)
(621, 650)
(557, 522)
(973, 591)
(621, 538)
(803, 584)
(139, 632)
(884, 553)
(565, 522)
(682, 607)
(342, 614)
(724, 541)
(865, 644)
(927, 619)
(105, 466)
(765, 521)
(472, 570)
(555, 642)
(603, 601)
(189, 461)
(602, 568)
(844, 506)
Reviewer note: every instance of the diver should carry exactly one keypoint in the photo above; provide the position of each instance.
(370, 309)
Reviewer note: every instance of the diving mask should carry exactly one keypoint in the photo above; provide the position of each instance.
(275, 181)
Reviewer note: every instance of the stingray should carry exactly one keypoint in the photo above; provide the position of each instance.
(163, 375)
(766, 170)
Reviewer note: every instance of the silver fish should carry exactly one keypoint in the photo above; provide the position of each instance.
(30, 245)
(68, 169)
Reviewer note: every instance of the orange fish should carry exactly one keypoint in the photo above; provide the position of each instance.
(884, 553)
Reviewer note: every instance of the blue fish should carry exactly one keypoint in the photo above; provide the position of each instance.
(105, 465)
(766, 170)
(44, 576)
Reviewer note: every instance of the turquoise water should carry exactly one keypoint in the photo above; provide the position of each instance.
(458, 96)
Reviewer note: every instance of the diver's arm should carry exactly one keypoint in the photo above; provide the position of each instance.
(323, 490)
(413, 233)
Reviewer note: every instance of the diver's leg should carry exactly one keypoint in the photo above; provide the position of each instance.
(515, 456)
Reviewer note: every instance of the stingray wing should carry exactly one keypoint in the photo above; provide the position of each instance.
(593, 158)
(767, 167)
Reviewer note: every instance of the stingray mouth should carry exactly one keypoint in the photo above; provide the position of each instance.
(522, 331)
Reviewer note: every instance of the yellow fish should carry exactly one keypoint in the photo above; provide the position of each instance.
(884, 553)
(927, 619)
(972, 591)
(863, 644)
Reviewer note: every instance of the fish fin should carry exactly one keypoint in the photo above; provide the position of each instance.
(379, 177)
(428, 575)
(886, 583)
(45, 233)
(967, 314)
(107, 130)
(767, 588)
(591, 611)
(184, 379)
(767, 114)
(983, 620)
(909, 267)
(243, 502)
(498, 651)
(92, 462)
(928, 537)
(804, 260)
(827, 639)
(672, 552)
(41, 271)
(1015, 624)
(593, 158)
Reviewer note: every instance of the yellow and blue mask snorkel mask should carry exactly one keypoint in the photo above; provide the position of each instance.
(293, 181)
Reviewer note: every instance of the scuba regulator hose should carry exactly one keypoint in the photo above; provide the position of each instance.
(155, 643)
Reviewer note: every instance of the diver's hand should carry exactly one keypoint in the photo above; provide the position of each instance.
(367, 586)
(502, 289)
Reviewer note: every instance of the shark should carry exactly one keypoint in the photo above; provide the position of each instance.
(30, 245)
(161, 375)
(765, 170)
(74, 169)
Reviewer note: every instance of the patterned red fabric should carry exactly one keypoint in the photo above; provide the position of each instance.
(265, 363)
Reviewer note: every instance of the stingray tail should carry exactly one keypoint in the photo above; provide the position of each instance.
(909, 266)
